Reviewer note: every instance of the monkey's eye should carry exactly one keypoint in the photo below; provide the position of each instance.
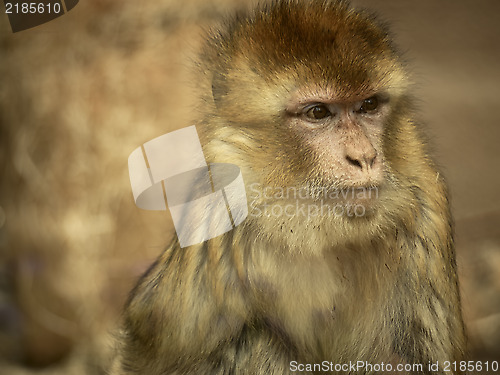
(318, 112)
(368, 105)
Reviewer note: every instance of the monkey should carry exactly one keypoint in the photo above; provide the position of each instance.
(346, 261)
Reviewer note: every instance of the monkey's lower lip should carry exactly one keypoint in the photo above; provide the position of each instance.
(347, 194)
(360, 192)
(359, 195)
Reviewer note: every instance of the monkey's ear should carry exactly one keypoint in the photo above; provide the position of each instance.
(219, 88)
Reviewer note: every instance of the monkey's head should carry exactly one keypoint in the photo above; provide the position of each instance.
(312, 95)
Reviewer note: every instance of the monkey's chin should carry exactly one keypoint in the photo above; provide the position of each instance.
(357, 208)
(359, 201)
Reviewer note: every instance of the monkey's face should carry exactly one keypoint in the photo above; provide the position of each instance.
(312, 97)
(344, 137)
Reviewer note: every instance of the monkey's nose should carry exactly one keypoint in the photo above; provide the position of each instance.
(363, 161)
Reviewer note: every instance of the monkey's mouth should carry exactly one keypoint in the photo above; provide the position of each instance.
(362, 193)
(362, 200)
(314, 202)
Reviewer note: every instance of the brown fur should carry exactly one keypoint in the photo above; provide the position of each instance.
(380, 288)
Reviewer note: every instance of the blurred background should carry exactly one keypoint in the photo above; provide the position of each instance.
(79, 93)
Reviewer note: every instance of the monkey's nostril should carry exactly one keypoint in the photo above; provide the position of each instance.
(354, 162)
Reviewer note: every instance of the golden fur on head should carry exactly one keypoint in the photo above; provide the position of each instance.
(326, 43)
